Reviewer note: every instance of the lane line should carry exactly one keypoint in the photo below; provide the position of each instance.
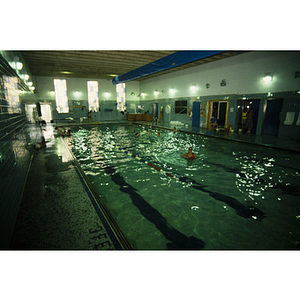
(149, 164)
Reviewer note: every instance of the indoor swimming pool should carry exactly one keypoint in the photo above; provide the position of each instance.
(235, 196)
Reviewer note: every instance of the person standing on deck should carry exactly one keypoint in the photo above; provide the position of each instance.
(244, 119)
(249, 122)
(90, 117)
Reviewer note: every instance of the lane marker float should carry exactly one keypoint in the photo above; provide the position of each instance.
(149, 164)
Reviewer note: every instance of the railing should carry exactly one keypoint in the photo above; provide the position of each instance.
(178, 114)
(151, 122)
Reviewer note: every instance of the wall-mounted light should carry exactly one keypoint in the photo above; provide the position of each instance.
(268, 77)
(106, 93)
(172, 90)
(16, 64)
(77, 93)
(30, 83)
(19, 65)
(193, 87)
(32, 88)
(51, 92)
(26, 77)
(143, 94)
(155, 92)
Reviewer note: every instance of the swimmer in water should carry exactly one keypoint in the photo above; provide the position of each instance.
(190, 154)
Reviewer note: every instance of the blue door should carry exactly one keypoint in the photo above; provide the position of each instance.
(272, 117)
(156, 111)
(255, 106)
(196, 114)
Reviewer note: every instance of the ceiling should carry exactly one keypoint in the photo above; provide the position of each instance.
(102, 64)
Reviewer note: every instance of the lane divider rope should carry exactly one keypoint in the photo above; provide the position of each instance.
(149, 164)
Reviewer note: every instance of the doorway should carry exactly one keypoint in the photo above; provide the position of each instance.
(219, 109)
(46, 112)
(32, 114)
(155, 111)
(196, 114)
(247, 104)
(272, 117)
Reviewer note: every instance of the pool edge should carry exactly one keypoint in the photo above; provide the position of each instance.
(104, 214)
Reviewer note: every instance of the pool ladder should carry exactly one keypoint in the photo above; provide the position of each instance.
(150, 123)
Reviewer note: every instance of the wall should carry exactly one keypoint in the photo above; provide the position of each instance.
(244, 79)
(106, 102)
(291, 103)
(16, 150)
(243, 74)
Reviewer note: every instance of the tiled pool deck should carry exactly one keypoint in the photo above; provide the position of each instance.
(61, 211)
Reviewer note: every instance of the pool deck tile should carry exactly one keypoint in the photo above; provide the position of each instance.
(56, 212)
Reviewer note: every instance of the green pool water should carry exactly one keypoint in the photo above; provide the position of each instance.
(233, 197)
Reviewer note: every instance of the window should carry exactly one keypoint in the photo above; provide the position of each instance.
(121, 103)
(12, 94)
(61, 98)
(181, 107)
(93, 95)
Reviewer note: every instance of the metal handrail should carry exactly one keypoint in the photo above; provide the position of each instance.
(151, 121)
(178, 113)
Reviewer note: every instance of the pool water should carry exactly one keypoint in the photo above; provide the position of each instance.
(234, 196)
